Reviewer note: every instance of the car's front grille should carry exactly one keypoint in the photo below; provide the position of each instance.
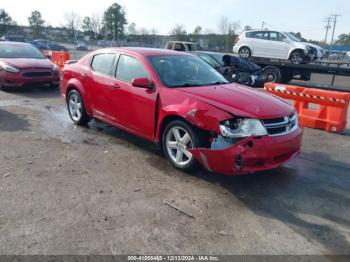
(281, 126)
(37, 74)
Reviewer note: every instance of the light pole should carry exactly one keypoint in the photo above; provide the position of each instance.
(334, 25)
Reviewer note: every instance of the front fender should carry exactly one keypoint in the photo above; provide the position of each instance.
(299, 48)
(197, 113)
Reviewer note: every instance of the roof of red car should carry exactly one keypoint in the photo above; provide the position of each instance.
(147, 51)
(13, 43)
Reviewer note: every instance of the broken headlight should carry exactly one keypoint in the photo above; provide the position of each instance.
(242, 127)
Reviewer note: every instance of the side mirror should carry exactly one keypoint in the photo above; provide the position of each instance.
(142, 83)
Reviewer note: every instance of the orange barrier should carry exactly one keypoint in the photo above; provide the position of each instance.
(58, 57)
(317, 108)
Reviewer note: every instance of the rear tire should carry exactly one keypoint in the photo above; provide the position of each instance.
(286, 77)
(176, 138)
(76, 108)
(272, 74)
(245, 52)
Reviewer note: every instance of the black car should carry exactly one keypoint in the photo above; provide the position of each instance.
(43, 44)
(81, 46)
(234, 69)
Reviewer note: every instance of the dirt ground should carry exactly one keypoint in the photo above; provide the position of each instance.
(98, 190)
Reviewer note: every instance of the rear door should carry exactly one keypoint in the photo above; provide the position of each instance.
(258, 41)
(102, 85)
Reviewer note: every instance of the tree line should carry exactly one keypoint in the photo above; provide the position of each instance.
(113, 25)
(110, 26)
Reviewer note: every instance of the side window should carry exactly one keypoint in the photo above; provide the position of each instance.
(265, 35)
(258, 35)
(274, 36)
(129, 68)
(103, 63)
(253, 34)
(250, 34)
(179, 47)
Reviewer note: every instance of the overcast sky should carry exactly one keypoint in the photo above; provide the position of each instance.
(306, 16)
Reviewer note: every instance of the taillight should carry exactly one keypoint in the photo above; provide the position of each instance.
(237, 39)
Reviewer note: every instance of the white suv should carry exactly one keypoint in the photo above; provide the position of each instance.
(277, 45)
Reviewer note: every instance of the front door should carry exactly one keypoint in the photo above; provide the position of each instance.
(135, 107)
(278, 47)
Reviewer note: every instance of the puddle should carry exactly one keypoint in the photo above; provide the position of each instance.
(13, 122)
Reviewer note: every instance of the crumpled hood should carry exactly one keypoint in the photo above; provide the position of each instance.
(313, 45)
(24, 63)
(241, 101)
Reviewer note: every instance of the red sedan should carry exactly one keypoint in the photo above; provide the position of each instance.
(177, 100)
(22, 64)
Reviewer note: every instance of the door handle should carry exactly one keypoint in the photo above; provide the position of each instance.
(115, 85)
(84, 74)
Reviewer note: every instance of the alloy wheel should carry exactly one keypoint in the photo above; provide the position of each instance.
(75, 107)
(244, 53)
(177, 142)
(296, 59)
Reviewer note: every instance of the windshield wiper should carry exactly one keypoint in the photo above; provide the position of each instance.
(187, 85)
(218, 83)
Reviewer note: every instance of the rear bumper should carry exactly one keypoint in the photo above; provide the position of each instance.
(251, 154)
(17, 79)
(235, 49)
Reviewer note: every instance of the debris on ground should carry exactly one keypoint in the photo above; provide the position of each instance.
(7, 174)
(178, 209)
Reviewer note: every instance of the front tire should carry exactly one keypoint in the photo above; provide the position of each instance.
(4, 88)
(76, 108)
(178, 136)
(245, 52)
(297, 57)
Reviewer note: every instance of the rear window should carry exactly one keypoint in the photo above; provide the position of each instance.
(19, 51)
(130, 68)
(103, 63)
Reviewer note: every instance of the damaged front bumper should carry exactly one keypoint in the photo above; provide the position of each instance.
(251, 154)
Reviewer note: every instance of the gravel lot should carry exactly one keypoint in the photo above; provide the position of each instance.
(98, 190)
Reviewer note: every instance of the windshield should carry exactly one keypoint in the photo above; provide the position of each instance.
(19, 51)
(292, 37)
(183, 71)
(218, 57)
